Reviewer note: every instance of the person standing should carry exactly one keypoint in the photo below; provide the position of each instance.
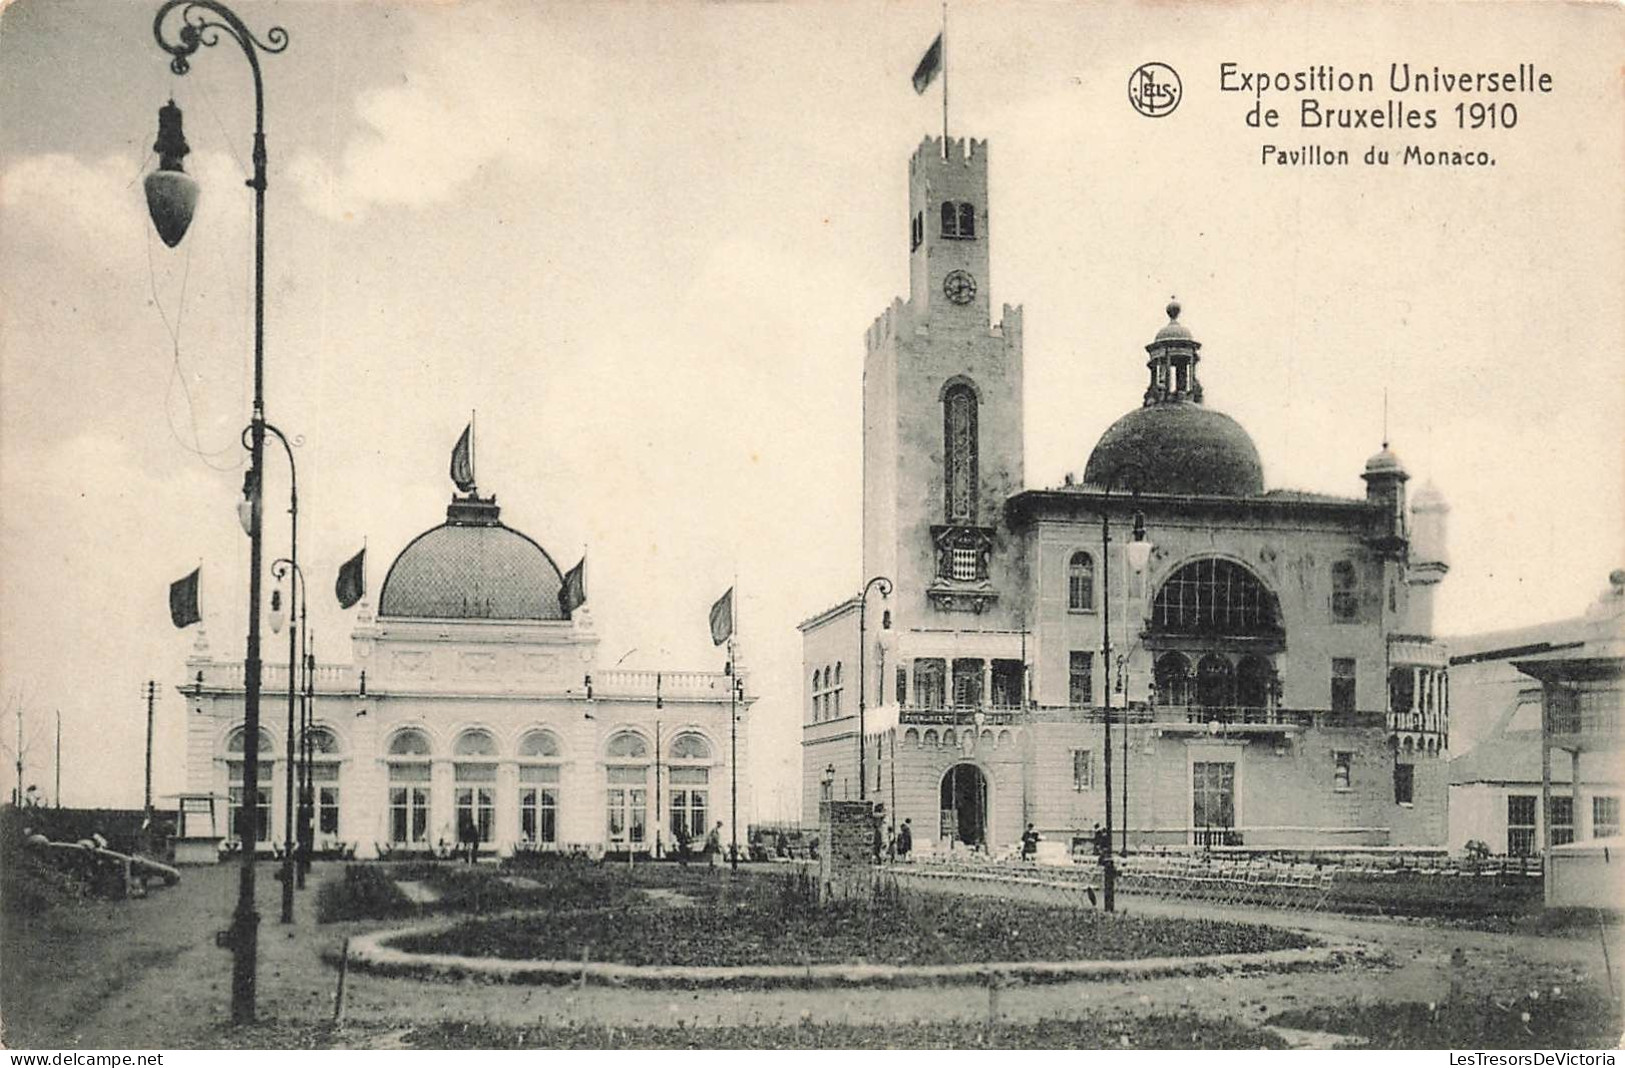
(905, 840)
(713, 845)
(1029, 844)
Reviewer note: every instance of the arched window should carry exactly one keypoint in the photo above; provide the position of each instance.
(837, 672)
(1080, 583)
(1173, 680)
(539, 788)
(1215, 683)
(324, 778)
(690, 787)
(1253, 683)
(911, 737)
(409, 773)
(967, 220)
(1215, 597)
(409, 742)
(1345, 592)
(475, 773)
(930, 738)
(627, 800)
(236, 804)
(950, 219)
(959, 451)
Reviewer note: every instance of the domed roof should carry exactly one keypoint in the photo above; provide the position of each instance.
(1177, 447)
(1174, 330)
(472, 567)
(1384, 462)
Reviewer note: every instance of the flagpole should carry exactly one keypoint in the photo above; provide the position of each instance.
(733, 722)
(473, 432)
(944, 79)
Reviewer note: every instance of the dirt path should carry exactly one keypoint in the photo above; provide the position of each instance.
(184, 1000)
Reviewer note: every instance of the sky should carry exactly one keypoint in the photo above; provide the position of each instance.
(643, 242)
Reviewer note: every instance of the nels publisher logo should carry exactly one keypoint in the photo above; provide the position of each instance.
(1154, 89)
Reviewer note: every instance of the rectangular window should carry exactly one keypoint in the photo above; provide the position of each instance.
(967, 683)
(902, 686)
(964, 562)
(237, 817)
(539, 813)
(1521, 825)
(1404, 783)
(1007, 676)
(1080, 689)
(930, 688)
(327, 810)
(1083, 769)
(628, 804)
(1345, 592)
(1561, 815)
(408, 814)
(1213, 794)
(689, 803)
(1343, 697)
(1342, 770)
(477, 805)
(1604, 817)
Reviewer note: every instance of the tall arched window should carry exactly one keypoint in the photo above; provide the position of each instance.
(1080, 583)
(409, 772)
(950, 219)
(476, 776)
(960, 452)
(1215, 683)
(967, 220)
(539, 788)
(1216, 597)
(1345, 592)
(627, 773)
(236, 814)
(324, 779)
(1253, 683)
(1173, 680)
(690, 787)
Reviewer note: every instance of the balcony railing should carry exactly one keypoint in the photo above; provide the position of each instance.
(1001, 715)
(1584, 721)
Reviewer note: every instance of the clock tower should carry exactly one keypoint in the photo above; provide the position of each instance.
(943, 411)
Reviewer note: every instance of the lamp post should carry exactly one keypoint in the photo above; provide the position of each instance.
(1139, 553)
(296, 600)
(863, 739)
(171, 196)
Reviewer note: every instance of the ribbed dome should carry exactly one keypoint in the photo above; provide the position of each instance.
(1177, 447)
(472, 567)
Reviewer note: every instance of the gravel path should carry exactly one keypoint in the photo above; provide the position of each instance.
(184, 1001)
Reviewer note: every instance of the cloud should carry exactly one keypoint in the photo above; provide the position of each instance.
(471, 96)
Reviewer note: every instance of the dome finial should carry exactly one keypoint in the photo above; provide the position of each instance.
(1173, 308)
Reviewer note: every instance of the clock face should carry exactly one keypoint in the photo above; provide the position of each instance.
(959, 287)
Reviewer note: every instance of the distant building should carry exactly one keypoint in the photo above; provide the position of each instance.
(1273, 676)
(1552, 698)
(474, 696)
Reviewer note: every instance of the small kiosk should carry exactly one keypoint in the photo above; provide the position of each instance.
(197, 829)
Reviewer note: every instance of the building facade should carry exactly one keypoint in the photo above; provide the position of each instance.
(474, 697)
(1272, 679)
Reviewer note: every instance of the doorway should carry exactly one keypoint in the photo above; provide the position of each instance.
(964, 805)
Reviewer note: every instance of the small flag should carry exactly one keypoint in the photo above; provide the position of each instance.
(183, 600)
(352, 583)
(722, 618)
(574, 592)
(462, 461)
(930, 66)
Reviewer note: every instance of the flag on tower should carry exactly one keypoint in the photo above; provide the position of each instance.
(722, 618)
(573, 594)
(930, 66)
(462, 461)
(352, 582)
(183, 600)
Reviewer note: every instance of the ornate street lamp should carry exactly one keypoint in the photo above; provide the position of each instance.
(171, 198)
(863, 739)
(1139, 553)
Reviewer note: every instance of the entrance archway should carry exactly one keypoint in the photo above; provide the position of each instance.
(964, 805)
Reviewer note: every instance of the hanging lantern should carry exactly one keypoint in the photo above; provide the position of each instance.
(171, 192)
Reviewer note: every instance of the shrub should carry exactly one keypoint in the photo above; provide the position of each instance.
(366, 892)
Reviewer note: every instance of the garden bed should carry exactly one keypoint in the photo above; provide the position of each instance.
(767, 921)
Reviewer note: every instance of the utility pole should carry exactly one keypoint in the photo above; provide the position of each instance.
(17, 794)
(59, 758)
(152, 688)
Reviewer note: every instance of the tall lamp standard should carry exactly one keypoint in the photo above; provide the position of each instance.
(279, 569)
(863, 739)
(171, 196)
(1139, 552)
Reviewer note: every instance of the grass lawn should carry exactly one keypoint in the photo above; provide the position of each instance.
(1541, 1019)
(1098, 1031)
(770, 919)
